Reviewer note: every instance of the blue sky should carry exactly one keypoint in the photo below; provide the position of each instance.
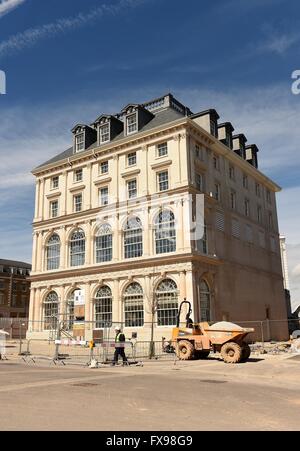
(67, 61)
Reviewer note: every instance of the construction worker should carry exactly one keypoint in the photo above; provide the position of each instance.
(120, 350)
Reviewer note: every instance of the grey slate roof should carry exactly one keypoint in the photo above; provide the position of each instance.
(14, 264)
(161, 118)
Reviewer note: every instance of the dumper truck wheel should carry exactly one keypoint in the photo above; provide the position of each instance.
(246, 351)
(185, 350)
(231, 352)
(202, 354)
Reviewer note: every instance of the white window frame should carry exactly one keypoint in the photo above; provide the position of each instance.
(79, 145)
(131, 127)
(106, 134)
(55, 182)
(131, 159)
(161, 182)
(76, 172)
(103, 202)
(54, 212)
(162, 149)
(104, 164)
(76, 203)
(131, 190)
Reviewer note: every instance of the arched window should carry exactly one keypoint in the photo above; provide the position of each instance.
(103, 308)
(103, 244)
(204, 301)
(77, 248)
(133, 238)
(51, 311)
(53, 252)
(165, 233)
(134, 305)
(167, 303)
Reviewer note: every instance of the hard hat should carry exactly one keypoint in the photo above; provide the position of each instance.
(117, 328)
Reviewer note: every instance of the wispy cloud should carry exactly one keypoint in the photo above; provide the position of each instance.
(279, 43)
(31, 36)
(7, 6)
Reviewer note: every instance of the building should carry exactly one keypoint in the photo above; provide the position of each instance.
(14, 289)
(112, 235)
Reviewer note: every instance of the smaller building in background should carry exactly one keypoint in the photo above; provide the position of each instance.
(14, 289)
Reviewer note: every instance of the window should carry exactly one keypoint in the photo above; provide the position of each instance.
(77, 248)
(54, 209)
(51, 311)
(259, 214)
(79, 142)
(103, 244)
(163, 181)
(217, 191)
(270, 221)
(249, 234)
(268, 193)
(198, 152)
(213, 127)
(131, 122)
(132, 189)
(247, 207)
(202, 243)
(262, 239)
(2, 300)
(165, 232)
(53, 252)
(220, 221)
(103, 196)
(78, 175)
(104, 133)
(131, 159)
(103, 308)
(233, 200)
(200, 182)
(257, 189)
(77, 202)
(162, 149)
(235, 228)
(133, 238)
(134, 305)
(55, 182)
(216, 162)
(204, 301)
(245, 181)
(231, 173)
(104, 167)
(167, 303)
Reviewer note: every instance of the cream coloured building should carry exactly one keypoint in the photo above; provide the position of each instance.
(114, 217)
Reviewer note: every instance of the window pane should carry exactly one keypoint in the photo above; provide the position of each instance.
(167, 303)
(103, 308)
(53, 253)
(165, 233)
(133, 239)
(134, 306)
(77, 249)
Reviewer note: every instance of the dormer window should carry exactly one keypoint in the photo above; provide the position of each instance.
(79, 142)
(104, 135)
(131, 122)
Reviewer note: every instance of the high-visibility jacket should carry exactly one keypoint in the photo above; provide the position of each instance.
(120, 337)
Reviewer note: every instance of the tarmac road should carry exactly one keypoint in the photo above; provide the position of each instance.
(262, 394)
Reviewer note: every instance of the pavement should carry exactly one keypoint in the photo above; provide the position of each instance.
(261, 394)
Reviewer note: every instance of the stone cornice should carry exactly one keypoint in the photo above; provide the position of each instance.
(148, 264)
